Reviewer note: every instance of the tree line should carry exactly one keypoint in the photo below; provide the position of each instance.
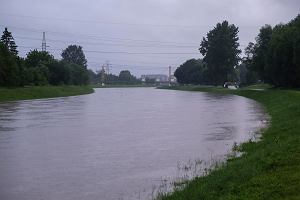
(273, 58)
(124, 78)
(40, 67)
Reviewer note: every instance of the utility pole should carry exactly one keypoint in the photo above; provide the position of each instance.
(170, 75)
(44, 45)
(107, 67)
(103, 75)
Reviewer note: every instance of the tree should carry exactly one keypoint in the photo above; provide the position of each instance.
(260, 51)
(220, 51)
(9, 69)
(79, 74)
(35, 58)
(191, 72)
(8, 40)
(283, 59)
(126, 77)
(74, 54)
(59, 73)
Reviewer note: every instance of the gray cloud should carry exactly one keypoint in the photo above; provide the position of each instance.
(155, 26)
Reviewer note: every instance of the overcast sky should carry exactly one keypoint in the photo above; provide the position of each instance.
(143, 36)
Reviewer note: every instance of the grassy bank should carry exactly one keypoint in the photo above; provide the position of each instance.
(270, 168)
(121, 86)
(38, 92)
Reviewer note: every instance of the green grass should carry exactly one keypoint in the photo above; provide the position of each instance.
(259, 86)
(38, 92)
(270, 168)
(121, 86)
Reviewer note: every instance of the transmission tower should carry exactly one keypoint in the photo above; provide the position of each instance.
(103, 75)
(170, 75)
(44, 45)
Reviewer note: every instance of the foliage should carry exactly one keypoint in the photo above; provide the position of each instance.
(267, 169)
(192, 72)
(125, 77)
(276, 54)
(59, 73)
(220, 51)
(260, 51)
(283, 61)
(8, 40)
(35, 58)
(74, 54)
(9, 69)
(79, 74)
(40, 67)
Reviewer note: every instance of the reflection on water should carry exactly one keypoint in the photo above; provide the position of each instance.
(115, 143)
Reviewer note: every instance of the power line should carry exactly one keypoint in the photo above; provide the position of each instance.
(96, 36)
(125, 52)
(107, 44)
(106, 22)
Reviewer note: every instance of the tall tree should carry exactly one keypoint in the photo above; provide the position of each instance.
(260, 51)
(9, 69)
(74, 54)
(221, 51)
(283, 60)
(8, 40)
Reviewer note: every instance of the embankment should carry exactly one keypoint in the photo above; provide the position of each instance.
(38, 92)
(268, 169)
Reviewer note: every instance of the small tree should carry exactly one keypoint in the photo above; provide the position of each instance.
(35, 57)
(8, 40)
(73, 54)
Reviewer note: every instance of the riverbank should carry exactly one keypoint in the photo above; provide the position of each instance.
(122, 86)
(268, 169)
(38, 92)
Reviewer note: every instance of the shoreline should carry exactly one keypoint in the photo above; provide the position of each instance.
(40, 92)
(268, 168)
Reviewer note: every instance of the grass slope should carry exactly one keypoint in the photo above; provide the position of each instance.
(37, 92)
(270, 168)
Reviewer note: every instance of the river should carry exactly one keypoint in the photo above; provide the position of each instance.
(117, 143)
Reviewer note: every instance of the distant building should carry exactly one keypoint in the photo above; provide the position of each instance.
(157, 77)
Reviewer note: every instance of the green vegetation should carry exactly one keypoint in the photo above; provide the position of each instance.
(269, 168)
(37, 92)
(274, 58)
(124, 78)
(122, 86)
(39, 67)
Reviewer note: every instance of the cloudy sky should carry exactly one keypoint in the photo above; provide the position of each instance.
(143, 36)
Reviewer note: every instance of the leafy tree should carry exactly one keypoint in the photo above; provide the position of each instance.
(260, 52)
(59, 73)
(36, 75)
(9, 69)
(220, 51)
(191, 72)
(79, 74)
(283, 61)
(74, 54)
(9, 41)
(125, 77)
(35, 58)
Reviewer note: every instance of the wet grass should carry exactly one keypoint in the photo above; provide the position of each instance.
(269, 168)
(38, 92)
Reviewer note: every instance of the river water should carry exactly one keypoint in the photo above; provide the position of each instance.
(116, 143)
